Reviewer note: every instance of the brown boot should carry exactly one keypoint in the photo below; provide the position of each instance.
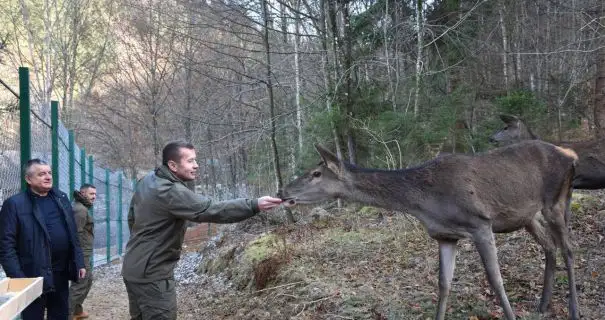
(82, 315)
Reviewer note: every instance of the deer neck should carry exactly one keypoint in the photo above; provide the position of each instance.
(390, 189)
(527, 134)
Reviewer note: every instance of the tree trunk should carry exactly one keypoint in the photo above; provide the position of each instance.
(385, 35)
(327, 75)
(210, 163)
(349, 71)
(420, 44)
(599, 95)
(297, 75)
(269, 84)
(505, 50)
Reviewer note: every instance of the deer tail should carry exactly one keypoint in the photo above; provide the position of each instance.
(570, 153)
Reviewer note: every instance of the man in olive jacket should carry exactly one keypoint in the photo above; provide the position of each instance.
(83, 201)
(162, 203)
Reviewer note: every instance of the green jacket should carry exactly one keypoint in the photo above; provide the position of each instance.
(159, 209)
(85, 224)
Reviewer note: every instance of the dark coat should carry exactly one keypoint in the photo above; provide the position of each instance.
(24, 240)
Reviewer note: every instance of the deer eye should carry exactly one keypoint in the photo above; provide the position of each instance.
(316, 174)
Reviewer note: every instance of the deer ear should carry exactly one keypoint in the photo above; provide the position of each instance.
(329, 158)
(509, 119)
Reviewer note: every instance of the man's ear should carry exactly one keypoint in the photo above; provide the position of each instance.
(172, 165)
(330, 159)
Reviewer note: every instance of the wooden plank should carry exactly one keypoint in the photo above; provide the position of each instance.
(21, 292)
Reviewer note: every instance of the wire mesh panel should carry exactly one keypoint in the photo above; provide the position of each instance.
(126, 197)
(41, 134)
(10, 156)
(113, 218)
(100, 241)
(64, 159)
(72, 168)
(77, 168)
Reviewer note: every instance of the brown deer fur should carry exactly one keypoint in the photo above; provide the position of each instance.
(590, 171)
(525, 185)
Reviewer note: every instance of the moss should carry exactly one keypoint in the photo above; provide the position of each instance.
(575, 207)
(359, 237)
(583, 203)
(369, 212)
(264, 247)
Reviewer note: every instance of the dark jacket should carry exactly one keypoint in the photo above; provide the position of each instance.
(159, 209)
(24, 241)
(85, 224)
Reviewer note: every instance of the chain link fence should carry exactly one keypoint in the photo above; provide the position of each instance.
(41, 135)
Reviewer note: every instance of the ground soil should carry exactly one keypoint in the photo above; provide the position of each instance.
(374, 265)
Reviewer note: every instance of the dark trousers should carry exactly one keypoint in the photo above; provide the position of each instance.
(55, 303)
(152, 301)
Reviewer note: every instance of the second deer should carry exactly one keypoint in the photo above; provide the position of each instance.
(525, 185)
(590, 172)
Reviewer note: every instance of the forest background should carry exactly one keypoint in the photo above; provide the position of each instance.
(255, 83)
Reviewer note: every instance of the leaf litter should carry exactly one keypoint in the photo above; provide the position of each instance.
(372, 264)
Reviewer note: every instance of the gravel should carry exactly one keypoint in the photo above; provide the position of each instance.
(184, 273)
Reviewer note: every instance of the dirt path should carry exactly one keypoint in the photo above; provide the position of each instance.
(107, 298)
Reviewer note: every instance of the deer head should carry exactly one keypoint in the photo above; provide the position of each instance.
(514, 131)
(324, 182)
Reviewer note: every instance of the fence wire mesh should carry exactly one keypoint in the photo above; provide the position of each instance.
(10, 155)
(77, 167)
(40, 135)
(113, 194)
(63, 158)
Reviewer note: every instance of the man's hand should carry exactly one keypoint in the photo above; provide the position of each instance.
(267, 203)
(82, 273)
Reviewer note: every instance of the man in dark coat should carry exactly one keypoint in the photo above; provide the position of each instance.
(83, 201)
(38, 239)
(162, 203)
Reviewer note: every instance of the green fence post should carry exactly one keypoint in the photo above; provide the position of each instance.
(82, 167)
(54, 134)
(120, 208)
(25, 121)
(72, 165)
(91, 170)
(108, 214)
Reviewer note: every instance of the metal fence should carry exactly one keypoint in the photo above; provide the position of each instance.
(35, 131)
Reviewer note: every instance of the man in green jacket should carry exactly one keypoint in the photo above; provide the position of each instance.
(163, 201)
(83, 201)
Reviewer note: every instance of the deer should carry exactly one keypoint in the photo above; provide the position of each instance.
(457, 196)
(590, 171)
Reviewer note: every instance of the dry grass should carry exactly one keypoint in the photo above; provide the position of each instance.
(356, 265)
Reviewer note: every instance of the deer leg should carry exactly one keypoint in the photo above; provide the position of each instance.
(538, 229)
(486, 245)
(447, 264)
(568, 212)
(563, 236)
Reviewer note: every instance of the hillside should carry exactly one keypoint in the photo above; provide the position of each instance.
(361, 263)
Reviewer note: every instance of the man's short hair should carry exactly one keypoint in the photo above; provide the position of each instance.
(30, 163)
(172, 151)
(86, 186)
